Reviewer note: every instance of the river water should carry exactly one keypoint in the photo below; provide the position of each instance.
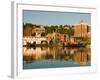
(55, 57)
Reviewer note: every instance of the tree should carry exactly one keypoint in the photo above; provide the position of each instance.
(27, 29)
(70, 32)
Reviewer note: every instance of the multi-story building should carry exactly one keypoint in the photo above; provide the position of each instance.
(82, 30)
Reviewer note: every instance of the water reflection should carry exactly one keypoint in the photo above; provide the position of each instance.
(79, 56)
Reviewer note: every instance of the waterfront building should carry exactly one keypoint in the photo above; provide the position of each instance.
(82, 30)
(36, 35)
(38, 32)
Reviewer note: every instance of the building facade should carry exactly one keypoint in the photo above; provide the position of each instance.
(82, 30)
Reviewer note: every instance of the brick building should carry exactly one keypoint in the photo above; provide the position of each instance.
(82, 30)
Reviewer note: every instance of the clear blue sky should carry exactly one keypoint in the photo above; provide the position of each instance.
(54, 18)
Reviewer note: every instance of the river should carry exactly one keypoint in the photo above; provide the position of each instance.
(55, 57)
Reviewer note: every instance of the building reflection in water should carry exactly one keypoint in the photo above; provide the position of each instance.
(81, 56)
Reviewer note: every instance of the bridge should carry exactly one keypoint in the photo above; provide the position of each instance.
(31, 40)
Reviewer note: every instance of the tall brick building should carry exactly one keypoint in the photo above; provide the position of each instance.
(82, 30)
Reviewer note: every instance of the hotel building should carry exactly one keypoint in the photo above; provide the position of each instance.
(82, 30)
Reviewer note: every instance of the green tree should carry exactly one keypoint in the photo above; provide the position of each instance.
(70, 32)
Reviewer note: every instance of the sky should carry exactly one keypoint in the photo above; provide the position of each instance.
(54, 18)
